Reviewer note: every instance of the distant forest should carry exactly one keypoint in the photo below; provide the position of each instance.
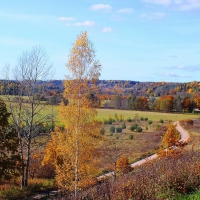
(122, 94)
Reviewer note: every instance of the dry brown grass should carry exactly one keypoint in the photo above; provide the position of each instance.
(143, 144)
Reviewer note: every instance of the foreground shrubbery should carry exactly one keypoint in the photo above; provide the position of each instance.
(175, 176)
(168, 177)
(35, 186)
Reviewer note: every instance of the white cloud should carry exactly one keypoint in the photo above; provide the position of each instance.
(101, 7)
(153, 16)
(143, 15)
(181, 67)
(170, 74)
(173, 75)
(158, 2)
(189, 68)
(183, 5)
(66, 18)
(107, 29)
(86, 23)
(125, 10)
(190, 5)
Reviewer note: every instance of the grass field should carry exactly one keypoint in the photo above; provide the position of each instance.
(154, 116)
(104, 113)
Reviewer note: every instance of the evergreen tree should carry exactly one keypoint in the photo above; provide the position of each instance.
(10, 162)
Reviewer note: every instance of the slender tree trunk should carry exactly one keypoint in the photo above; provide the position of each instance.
(27, 162)
(76, 165)
(77, 149)
(22, 160)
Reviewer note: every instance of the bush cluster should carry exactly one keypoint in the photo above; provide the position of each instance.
(162, 179)
(133, 127)
(144, 118)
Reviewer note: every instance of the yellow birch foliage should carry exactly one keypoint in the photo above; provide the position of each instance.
(72, 151)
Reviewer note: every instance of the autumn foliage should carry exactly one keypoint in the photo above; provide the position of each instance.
(171, 136)
(122, 165)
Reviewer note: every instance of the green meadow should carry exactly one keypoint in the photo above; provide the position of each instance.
(104, 113)
(154, 116)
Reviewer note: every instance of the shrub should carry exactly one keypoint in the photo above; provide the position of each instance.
(142, 118)
(133, 127)
(124, 125)
(161, 121)
(189, 122)
(102, 131)
(166, 178)
(130, 137)
(122, 165)
(119, 129)
(117, 137)
(121, 118)
(157, 127)
(146, 118)
(150, 122)
(105, 121)
(129, 120)
(112, 129)
(139, 129)
(110, 121)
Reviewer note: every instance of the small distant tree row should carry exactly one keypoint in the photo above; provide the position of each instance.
(167, 103)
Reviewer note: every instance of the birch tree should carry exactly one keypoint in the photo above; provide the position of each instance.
(73, 150)
(25, 109)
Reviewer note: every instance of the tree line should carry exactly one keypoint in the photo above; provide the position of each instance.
(168, 103)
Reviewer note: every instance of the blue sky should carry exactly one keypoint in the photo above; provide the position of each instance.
(141, 40)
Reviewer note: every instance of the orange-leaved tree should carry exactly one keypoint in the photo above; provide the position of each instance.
(72, 150)
(170, 139)
(171, 136)
(122, 165)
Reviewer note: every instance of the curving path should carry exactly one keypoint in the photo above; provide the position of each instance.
(184, 138)
(184, 134)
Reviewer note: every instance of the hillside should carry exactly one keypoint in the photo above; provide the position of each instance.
(123, 87)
